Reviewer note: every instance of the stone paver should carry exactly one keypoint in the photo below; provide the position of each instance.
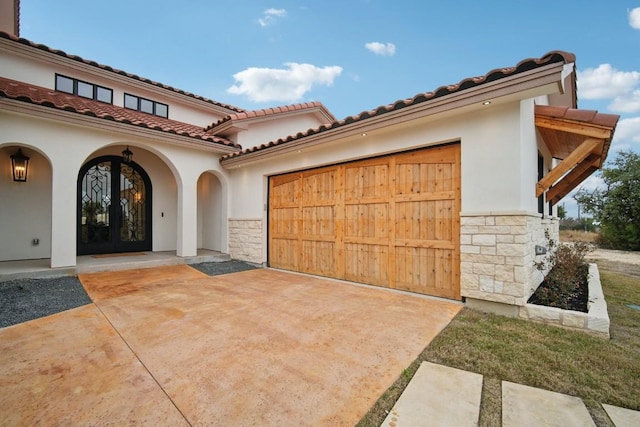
(524, 406)
(622, 417)
(438, 396)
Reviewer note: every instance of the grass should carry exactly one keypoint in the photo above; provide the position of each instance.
(578, 236)
(505, 349)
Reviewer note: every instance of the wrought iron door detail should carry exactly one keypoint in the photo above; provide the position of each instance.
(114, 207)
(132, 205)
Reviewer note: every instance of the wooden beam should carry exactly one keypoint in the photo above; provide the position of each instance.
(573, 178)
(578, 155)
(578, 128)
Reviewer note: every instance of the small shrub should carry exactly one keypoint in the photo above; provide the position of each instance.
(567, 274)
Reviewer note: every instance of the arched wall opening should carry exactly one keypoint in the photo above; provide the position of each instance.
(212, 213)
(25, 207)
(164, 208)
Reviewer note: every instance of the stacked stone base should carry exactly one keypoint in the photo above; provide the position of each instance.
(245, 240)
(497, 254)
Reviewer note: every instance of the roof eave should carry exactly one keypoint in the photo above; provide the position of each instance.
(77, 119)
(529, 84)
(235, 125)
(44, 53)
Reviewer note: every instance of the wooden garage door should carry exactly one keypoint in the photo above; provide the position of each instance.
(391, 221)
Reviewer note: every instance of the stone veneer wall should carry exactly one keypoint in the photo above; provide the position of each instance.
(245, 240)
(497, 254)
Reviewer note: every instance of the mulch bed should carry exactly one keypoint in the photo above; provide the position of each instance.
(576, 301)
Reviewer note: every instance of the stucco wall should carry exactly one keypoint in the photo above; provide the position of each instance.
(174, 172)
(25, 207)
(491, 170)
(260, 132)
(41, 71)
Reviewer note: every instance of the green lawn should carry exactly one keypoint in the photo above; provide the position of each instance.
(504, 349)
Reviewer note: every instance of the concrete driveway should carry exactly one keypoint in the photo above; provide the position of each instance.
(173, 346)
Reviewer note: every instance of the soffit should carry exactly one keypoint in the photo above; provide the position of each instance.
(580, 139)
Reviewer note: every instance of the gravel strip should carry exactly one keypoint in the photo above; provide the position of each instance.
(225, 267)
(27, 299)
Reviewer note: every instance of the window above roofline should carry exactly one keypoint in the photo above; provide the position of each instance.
(84, 89)
(138, 103)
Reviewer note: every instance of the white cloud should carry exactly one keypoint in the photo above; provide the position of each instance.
(270, 16)
(628, 130)
(628, 103)
(385, 49)
(634, 18)
(283, 85)
(605, 82)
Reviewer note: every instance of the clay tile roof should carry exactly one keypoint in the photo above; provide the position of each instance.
(245, 115)
(493, 75)
(587, 116)
(38, 95)
(113, 70)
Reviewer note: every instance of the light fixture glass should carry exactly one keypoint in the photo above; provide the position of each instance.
(127, 155)
(20, 166)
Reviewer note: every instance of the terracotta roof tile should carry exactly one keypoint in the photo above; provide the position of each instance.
(493, 75)
(62, 101)
(269, 111)
(113, 70)
(585, 116)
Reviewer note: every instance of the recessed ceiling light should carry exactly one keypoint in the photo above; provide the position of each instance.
(486, 103)
(363, 134)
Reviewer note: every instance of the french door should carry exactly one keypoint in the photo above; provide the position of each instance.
(114, 207)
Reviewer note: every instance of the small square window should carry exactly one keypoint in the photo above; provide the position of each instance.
(162, 110)
(130, 101)
(64, 84)
(85, 90)
(103, 94)
(146, 106)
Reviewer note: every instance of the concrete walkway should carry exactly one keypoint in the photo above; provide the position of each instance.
(439, 396)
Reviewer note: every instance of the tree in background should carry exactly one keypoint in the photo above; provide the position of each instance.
(562, 212)
(617, 206)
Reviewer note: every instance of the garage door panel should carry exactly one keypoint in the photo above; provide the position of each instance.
(424, 178)
(319, 187)
(284, 253)
(284, 221)
(370, 220)
(425, 220)
(285, 191)
(318, 258)
(318, 221)
(426, 271)
(391, 221)
(367, 263)
(367, 181)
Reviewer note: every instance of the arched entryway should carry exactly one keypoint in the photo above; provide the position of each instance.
(114, 207)
(212, 222)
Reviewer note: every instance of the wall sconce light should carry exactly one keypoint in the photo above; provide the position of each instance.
(19, 166)
(127, 155)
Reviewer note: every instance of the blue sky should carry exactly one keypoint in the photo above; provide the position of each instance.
(351, 55)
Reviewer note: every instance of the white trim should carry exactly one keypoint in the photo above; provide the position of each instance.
(529, 84)
(79, 119)
(49, 58)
